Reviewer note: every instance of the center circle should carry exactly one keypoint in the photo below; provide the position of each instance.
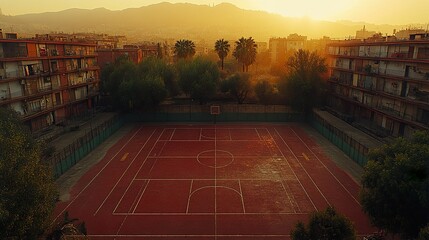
(215, 158)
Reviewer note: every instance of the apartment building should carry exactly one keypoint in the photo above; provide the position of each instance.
(47, 80)
(281, 48)
(106, 56)
(381, 84)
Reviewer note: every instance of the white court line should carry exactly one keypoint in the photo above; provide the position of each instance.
(257, 132)
(212, 186)
(281, 180)
(305, 170)
(125, 193)
(195, 156)
(189, 196)
(286, 186)
(209, 179)
(242, 196)
(140, 198)
(134, 178)
(148, 172)
(278, 148)
(181, 236)
(92, 180)
(171, 137)
(326, 168)
(123, 174)
(209, 139)
(209, 214)
(287, 194)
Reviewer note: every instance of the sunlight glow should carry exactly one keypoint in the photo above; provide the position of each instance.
(371, 11)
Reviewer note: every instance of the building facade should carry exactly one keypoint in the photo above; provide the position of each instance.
(281, 48)
(106, 56)
(381, 85)
(48, 81)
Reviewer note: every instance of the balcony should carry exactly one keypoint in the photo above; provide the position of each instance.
(390, 57)
(388, 111)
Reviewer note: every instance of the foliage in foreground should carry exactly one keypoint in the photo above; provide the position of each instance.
(27, 191)
(68, 229)
(395, 191)
(325, 225)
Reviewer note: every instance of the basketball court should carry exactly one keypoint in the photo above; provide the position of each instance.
(212, 181)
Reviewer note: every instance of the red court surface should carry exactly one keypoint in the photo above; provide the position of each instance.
(211, 182)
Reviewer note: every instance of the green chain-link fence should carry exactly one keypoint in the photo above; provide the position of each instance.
(65, 158)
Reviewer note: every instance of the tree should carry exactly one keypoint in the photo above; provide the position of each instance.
(325, 225)
(264, 91)
(158, 68)
(27, 193)
(245, 52)
(133, 86)
(152, 90)
(304, 80)
(184, 49)
(222, 49)
(199, 78)
(424, 233)
(238, 85)
(395, 185)
(307, 64)
(121, 86)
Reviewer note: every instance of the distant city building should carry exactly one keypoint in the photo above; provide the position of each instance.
(381, 85)
(106, 56)
(318, 45)
(364, 34)
(151, 49)
(262, 46)
(46, 81)
(280, 48)
(405, 34)
(135, 53)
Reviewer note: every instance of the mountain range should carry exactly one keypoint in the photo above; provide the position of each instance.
(182, 20)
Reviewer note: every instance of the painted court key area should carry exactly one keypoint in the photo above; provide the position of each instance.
(211, 182)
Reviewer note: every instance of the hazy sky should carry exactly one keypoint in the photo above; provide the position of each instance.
(372, 11)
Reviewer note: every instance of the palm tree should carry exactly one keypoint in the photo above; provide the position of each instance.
(245, 52)
(184, 49)
(222, 49)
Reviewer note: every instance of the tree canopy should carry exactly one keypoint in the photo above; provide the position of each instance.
(199, 78)
(325, 225)
(238, 85)
(304, 87)
(245, 52)
(184, 49)
(134, 86)
(264, 91)
(27, 189)
(395, 185)
(222, 49)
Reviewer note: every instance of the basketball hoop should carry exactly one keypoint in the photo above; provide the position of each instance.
(215, 110)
